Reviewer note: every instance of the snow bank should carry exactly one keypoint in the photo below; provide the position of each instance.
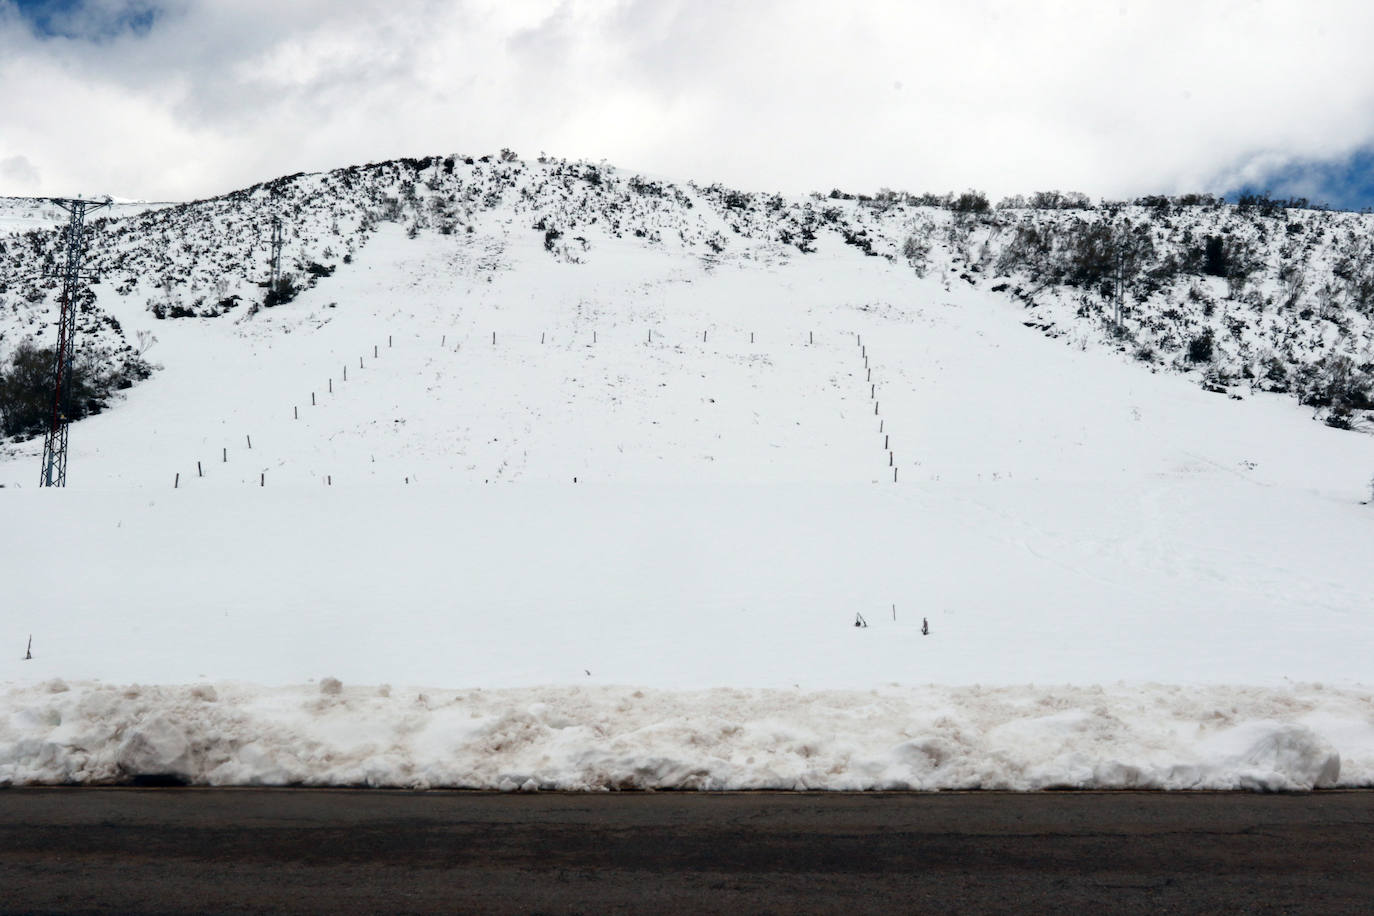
(601, 738)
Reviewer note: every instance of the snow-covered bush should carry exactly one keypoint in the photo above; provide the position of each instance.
(26, 387)
(1200, 348)
(286, 289)
(1057, 200)
(970, 202)
(916, 250)
(1336, 382)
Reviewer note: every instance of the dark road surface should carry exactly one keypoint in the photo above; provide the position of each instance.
(325, 851)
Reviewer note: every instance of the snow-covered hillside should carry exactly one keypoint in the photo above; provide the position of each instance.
(1259, 297)
(600, 473)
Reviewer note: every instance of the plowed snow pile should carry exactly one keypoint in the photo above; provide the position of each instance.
(601, 738)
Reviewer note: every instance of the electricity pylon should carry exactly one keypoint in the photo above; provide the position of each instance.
(276, 252)
(1119, 297)
(55, 442)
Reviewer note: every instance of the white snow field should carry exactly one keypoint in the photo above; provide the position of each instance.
(1129, 582)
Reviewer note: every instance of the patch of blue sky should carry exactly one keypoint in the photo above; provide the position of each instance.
(83, 19)
(1344, 183)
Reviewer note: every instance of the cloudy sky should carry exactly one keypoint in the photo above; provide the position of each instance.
(176, 99)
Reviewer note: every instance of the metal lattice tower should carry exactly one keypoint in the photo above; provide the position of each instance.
(55, 442)
(274, 263)
(276, 251)
(1119, 294)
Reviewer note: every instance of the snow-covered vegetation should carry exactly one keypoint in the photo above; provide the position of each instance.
(1260, 295)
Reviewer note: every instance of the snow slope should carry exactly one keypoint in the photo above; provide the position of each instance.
(733, 421)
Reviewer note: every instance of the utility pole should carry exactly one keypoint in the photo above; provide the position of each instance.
(55, 442)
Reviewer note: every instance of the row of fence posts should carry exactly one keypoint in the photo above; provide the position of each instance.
(443, 342)
(873, 396)
(295, 415)
(649, 338)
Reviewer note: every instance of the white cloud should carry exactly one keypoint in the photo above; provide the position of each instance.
(19, 171)
(1110, 98)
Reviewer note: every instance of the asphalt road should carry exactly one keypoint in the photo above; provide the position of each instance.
(326, 851)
